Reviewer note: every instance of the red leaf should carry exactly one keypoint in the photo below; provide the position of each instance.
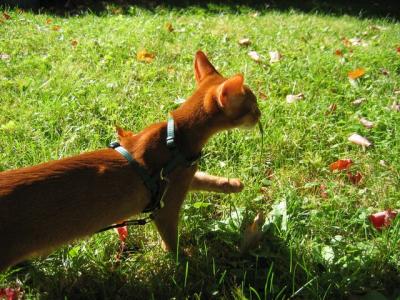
(341, 164)
(122, 233)
(338, 52)
(354, 178)
(398, 50)
(382, 219)
(10, 294)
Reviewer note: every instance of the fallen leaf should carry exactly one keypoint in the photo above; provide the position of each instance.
(322, 190)
(382, 219)
(275, 56)
(357, 42)
(358, 101)
(122, 233)
(6, 16)
(4, 56)
(244, 42)
(332, 108)
(359, 140)
(10, 293)
(252, 234)
(254, 56)
(395, 106)
(262, 96)
(49, 21)
(357, 73)
(294, 98)
(341, 164)
(74, 43)
(56, 27)
(366, 123)
(346, 42)
(398, 50)
(179, 100)
(169, 27)
(354, 178)
(145, 56)
(385, 72)
(338, 52)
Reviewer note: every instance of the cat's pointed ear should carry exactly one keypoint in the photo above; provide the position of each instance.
(123, 133)
(202, 67)
(229, 88)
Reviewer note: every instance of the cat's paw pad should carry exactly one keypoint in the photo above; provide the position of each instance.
(232, 186)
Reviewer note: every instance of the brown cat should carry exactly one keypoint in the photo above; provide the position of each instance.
(50, 204)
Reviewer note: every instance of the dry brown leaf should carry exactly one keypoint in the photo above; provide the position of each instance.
(359, 140)
(357, 73)
(169, 27)
(338, 52)
(6, 16)
(366, 123)
(385, 72)
(145, 56)
(253, 234)
(74, 43)
(254, 56)
(398, 50)
(358, 101)
(262, 96)
(341, 164)
(395, 106)
(4, 56)
(49, 21)
(294, 98)
(56, 27)
(244, 42)
(275, 56)
(354, 178)
(332, 108)
(358, 42)
(323, 192)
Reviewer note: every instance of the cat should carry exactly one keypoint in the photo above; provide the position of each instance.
(50, 204)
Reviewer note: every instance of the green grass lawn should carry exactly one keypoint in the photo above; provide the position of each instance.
(65, 83)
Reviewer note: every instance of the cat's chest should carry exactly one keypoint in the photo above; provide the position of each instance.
(182, 177)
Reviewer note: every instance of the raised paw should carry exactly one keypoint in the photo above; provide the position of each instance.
(233, 185)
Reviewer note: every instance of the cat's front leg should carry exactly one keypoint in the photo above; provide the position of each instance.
(205, 182)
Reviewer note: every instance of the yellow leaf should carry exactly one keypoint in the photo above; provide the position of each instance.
(145, 56)
(357, 73)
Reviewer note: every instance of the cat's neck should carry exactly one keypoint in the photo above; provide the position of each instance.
(194, 125)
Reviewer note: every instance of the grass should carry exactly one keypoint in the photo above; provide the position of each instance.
(58, 100)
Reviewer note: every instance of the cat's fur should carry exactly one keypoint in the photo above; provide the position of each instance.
(50, 204)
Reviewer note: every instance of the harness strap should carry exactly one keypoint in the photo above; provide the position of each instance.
(149, 182)
(157, 185)
(177, 157)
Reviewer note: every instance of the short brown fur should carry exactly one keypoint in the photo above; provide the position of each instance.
(47, 205)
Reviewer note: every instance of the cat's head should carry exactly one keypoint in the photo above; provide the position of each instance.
(235, 101)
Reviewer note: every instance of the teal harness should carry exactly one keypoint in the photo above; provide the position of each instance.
(157, 184)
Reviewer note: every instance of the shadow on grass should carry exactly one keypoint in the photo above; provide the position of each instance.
(214, 270)
(358, 8)
(211, 270)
